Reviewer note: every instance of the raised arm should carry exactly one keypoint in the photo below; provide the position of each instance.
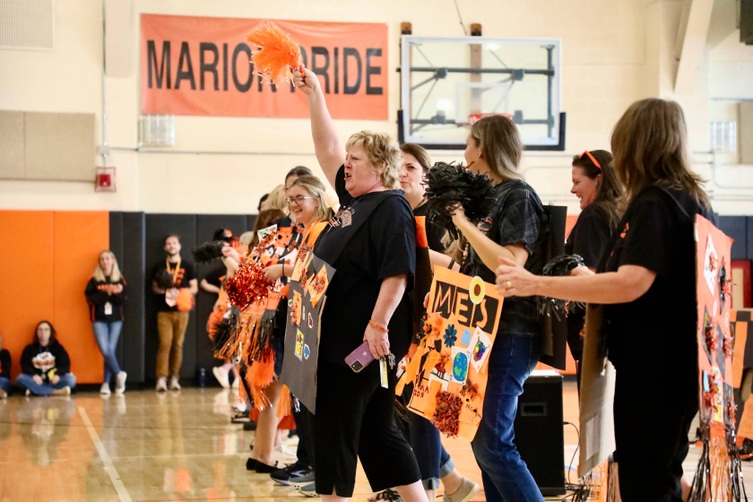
(329, 151)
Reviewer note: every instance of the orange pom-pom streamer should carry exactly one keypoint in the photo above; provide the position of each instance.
(184, 301)
(275, 54)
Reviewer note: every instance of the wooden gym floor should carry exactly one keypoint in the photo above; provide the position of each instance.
(145, 446)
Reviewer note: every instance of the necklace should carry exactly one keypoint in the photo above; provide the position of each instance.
(344, 216)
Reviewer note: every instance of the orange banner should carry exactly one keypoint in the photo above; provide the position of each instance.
(201, 66)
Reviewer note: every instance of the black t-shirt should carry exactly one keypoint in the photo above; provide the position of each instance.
(383, 246)
(590, 236)
(214, 276)
(655, 335)
(183, 277)
(517, 218)
(434, 232)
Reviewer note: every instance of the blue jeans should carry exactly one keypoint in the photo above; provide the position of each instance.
(26, 382)
(107, 334)
(4, 384)
(433, 460)
(504, 474)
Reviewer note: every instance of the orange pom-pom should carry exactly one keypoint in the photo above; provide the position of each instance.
(275, 53)
(185, 300)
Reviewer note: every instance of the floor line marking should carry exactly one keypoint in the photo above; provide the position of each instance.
(110, 469)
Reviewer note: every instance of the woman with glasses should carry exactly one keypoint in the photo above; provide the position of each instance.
(306, 199)
(601, 202)
(371, 243)
(646, 287)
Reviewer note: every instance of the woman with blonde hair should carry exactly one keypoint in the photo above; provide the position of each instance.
(371, 242)
(649, 271)
(105, 295)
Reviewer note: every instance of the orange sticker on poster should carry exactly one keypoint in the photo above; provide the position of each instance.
(202, 66)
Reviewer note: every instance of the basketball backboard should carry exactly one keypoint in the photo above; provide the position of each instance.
(448, 83)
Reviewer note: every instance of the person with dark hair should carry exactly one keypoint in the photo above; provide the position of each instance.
(649, 270)
(105, 295)
(602, 203)
(174, 285)
(45, 365)
(517, 230)
(433, 460)
(262, 203)
(371, 243)
(4, 370)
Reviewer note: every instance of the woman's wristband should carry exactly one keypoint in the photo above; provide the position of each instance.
(378, 326)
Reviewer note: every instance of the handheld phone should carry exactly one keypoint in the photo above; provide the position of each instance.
(359, 358)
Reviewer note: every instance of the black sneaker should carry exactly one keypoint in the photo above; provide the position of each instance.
(283, 475)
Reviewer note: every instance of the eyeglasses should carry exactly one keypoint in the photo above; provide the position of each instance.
(593, 159)
(298, 200)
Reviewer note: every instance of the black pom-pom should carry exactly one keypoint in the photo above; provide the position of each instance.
(562, 264)
(559, 266)
(449, 184)
(164, 279)
(208, 251)
(226, 328)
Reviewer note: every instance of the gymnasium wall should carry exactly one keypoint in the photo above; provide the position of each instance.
(613, 54)
(48, 256)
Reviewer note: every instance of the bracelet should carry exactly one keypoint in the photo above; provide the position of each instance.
(379, 326)
(451, 265)
(283, 269)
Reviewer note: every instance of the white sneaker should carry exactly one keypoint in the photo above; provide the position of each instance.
(174, 385)
(221, 374)
(120, 380)
(161, 384)
(105, 389)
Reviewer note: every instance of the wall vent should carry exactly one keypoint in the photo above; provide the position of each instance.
(157, 130)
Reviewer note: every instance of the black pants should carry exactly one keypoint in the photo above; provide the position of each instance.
(355, 419)
(652, 418)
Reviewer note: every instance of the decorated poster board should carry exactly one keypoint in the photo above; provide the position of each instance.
(596, 395)
(449, 368)
(717, 476)
(742, 363)
(306, 299)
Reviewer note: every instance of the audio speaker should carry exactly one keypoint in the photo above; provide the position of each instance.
(539, 432)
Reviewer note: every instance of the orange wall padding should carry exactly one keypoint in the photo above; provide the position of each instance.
(46, 258)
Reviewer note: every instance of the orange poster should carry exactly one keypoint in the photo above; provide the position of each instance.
(202, 66)
(449, 369)
(717, 476)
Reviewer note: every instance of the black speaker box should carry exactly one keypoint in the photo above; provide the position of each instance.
(539, 431)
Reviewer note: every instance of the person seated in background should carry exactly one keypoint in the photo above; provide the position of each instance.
(45, 365)
(4, 370)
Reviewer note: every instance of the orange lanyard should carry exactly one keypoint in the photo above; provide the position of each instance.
(174, 272)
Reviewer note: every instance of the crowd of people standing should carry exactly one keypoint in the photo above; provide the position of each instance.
(634, 236)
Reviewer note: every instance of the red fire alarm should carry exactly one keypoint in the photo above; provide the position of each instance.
(105, 179)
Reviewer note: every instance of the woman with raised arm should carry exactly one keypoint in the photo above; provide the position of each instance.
(371, 243)
(649, 272)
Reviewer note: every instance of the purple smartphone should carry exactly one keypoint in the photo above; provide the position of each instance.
(359, 358)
